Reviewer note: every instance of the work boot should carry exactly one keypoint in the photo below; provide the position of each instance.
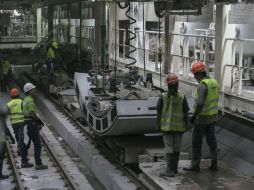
(2, 176)
(213, 166)
(41, 167)
(170, 166)
(177, 155)
(26, 165)
(194, 166)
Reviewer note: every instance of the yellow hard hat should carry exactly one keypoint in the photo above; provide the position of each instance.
(54, 44)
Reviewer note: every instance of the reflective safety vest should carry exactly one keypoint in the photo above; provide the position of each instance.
(28, 107)
(212, 98)
(16, 113)
(172, 116)
(51, 53)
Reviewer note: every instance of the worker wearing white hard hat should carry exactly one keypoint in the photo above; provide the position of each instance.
(34, 123)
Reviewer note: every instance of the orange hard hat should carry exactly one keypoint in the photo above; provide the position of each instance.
(171, 78)
(198, 67)
(14, 92)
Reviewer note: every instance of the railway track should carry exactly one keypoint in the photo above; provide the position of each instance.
(15, 172)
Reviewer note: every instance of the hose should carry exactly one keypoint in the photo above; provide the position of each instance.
(130, 35)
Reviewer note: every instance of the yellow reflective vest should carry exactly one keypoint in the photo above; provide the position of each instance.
(172, 116)
(28, 107)
(212, 98)
(16, 113)
(51, 53)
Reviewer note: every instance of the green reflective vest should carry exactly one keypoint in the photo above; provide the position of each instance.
(212, 98)
(51, 53)
(16, 113)
(28, 107)
(172, 116)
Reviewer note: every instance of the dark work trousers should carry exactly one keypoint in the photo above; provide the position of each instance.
(2, 153)
(34, 135)
(199, 132)
(18, 129)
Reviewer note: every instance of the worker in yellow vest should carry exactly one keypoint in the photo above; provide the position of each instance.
(172, 119)
(52, 51)
(18, 124)
(34, 123)
(204, 117)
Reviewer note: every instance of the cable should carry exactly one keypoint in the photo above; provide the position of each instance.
(130, 35)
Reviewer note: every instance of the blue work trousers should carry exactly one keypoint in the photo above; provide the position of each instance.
(34, 134)
(18, 129)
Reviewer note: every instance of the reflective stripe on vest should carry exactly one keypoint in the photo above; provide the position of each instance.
(212, 98)
(172, 113)
(16, 113)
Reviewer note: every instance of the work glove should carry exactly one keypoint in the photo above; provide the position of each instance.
(192, 120)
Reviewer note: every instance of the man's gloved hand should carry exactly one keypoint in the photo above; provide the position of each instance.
(192, 120)
(12, 140)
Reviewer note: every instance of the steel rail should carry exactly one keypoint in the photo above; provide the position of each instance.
(14, 167)
(65, 173)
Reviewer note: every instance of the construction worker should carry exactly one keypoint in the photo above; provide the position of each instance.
(53, 59)
(34, 123)
(204, 117)
(52, 51)
(4, 132)
(172, 119)
(6, 70)
(52, 55)
(18, 124)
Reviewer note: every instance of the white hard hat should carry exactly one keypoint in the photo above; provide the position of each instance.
(28, 86)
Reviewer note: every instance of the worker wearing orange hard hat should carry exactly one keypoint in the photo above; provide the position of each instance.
(204, 117)
(18, 123)
(172, 120)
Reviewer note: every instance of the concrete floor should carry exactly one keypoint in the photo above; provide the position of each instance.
(225, 178)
